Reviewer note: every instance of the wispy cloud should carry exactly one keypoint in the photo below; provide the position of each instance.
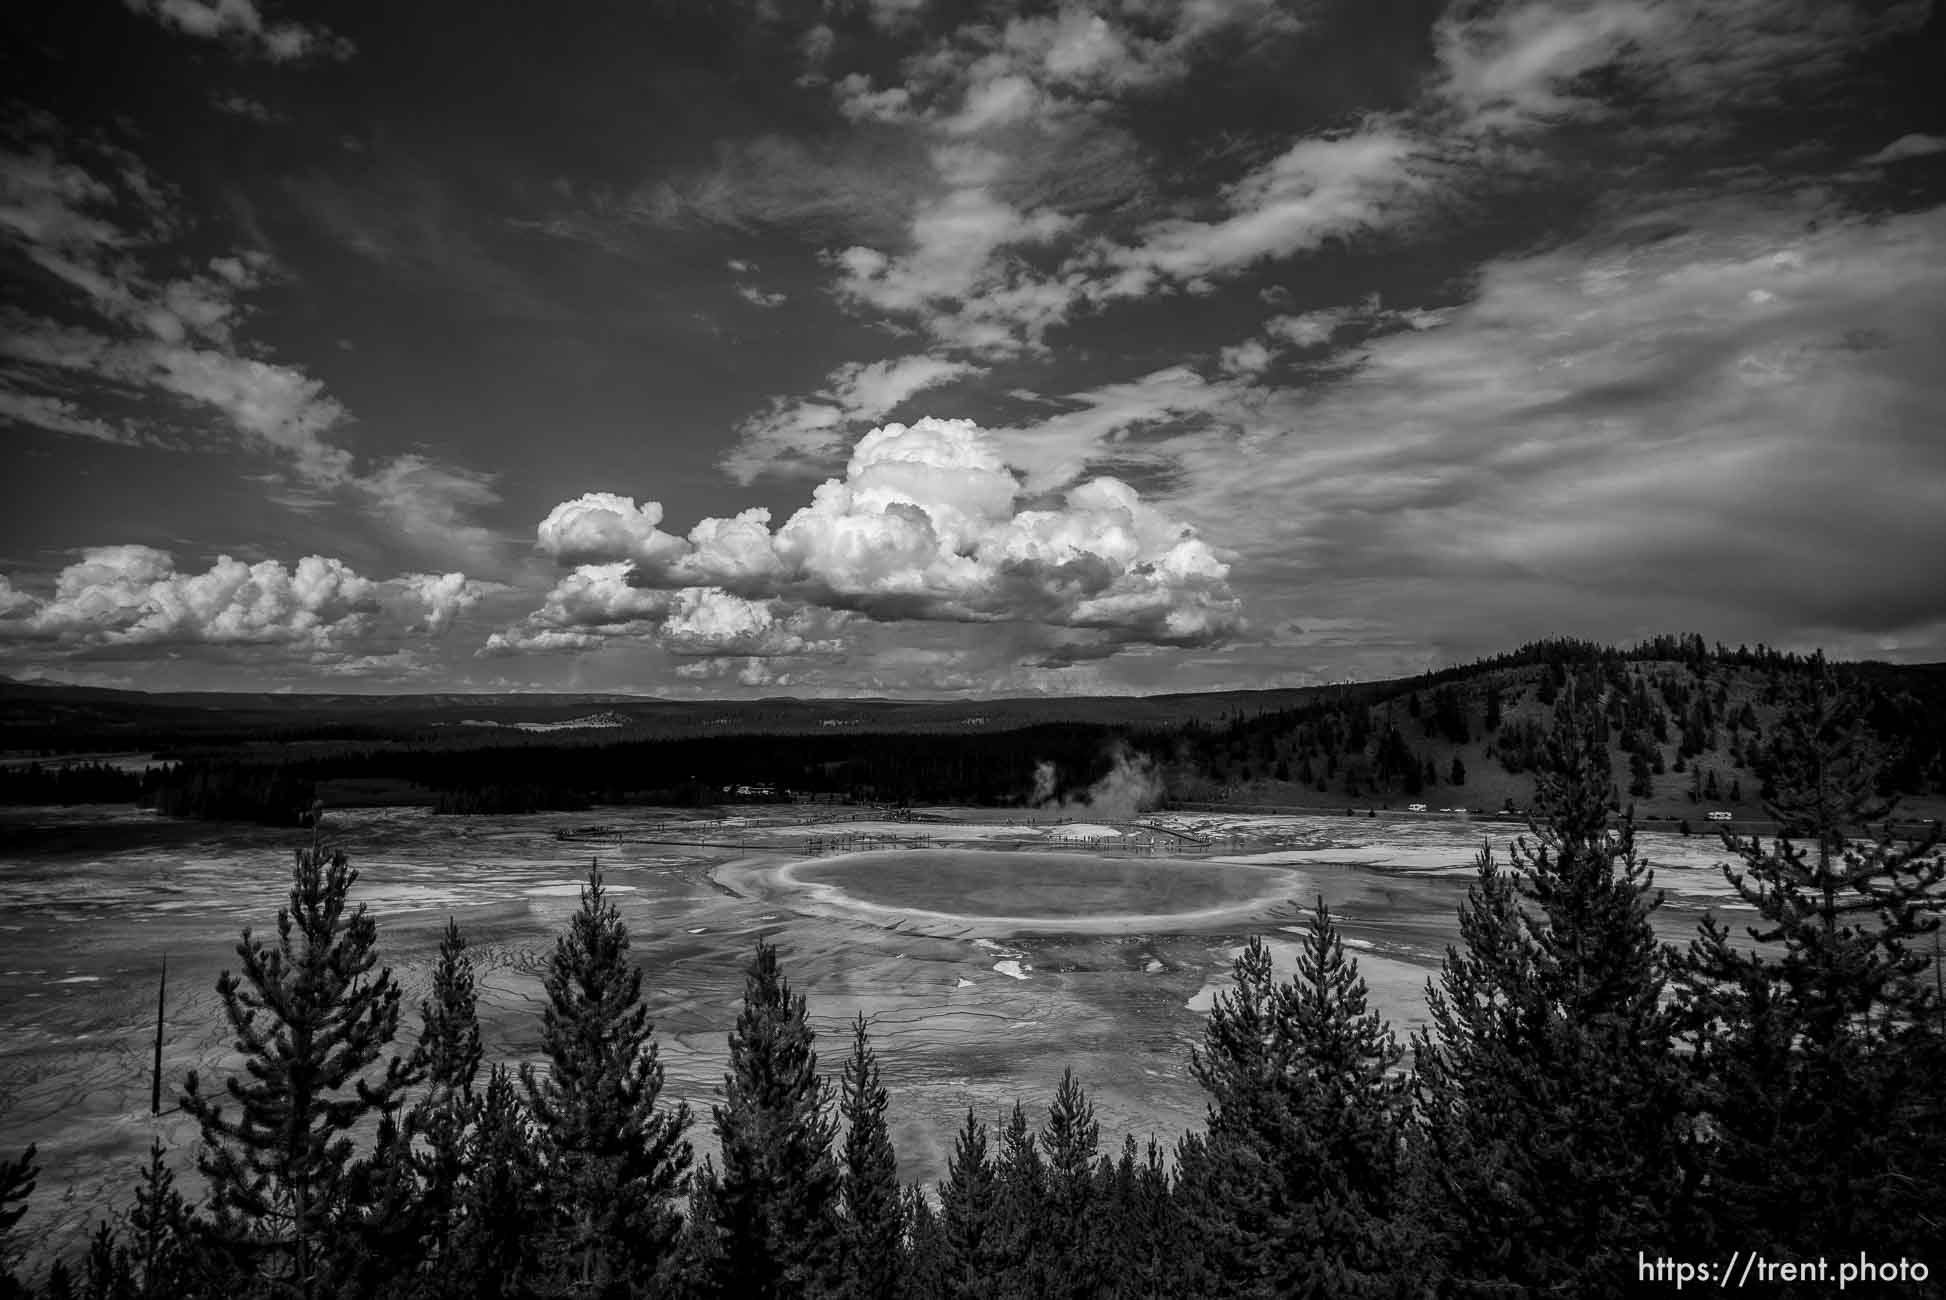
(179, 338)
(171, 335)
(236, 105)
(797, 436)
(1707, 394)
(244, 26)
(1914, 145)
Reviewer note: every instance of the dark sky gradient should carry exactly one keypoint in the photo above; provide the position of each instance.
(1129, 345)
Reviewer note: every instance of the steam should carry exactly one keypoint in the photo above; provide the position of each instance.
(1131, 787)
(1043, 784)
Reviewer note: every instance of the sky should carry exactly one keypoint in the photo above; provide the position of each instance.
(741, 348)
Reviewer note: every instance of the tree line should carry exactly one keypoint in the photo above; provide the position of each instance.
(1586, 1100)
(1663, 705)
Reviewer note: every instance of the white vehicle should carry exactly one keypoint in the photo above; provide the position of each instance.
(1415, 807)
(1720, 817)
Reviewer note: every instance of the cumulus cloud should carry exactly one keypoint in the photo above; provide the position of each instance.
(134, 595)
(317, 615)
(599, 604)
(243, 24)
(604, 527)
(808, 434)
(443, 596)
(925, 525)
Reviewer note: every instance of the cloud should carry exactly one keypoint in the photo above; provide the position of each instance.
(243, 25)
(431, 505)
(924, 526)
(1246, 358)
(173, 336)
(279, 404)
(443, 596)
(995, 73)
(317, 616)
(244, 106)
(808, 434)
(177, 338)
(953, 240)
(854, 185)
(604, 527)
(1320, 188)
(1309, 330)
(1906, 146)
(1521, 67)
(1515, 66)
(598, 604)
(860, 103)
(116, 595)
(758, 298)
(57, 415)
(1718, 406)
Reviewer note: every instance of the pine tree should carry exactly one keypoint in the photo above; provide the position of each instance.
(449, 1052)
(503, 1205)
(106, 1273)
(968, 1210)
(311, 1021)
(925, 1249)
(17, 1179)
(1075, 1263)
(776, 1199)
(1298, 1188)
(161, 1240)
(1020, 1176)
(1153, 1246)
(1343, 1229)
(1226, 1180)
(1821, 1047)
(874, 1203)
(1550, 1092)
(616, 1162)
(1640, 784)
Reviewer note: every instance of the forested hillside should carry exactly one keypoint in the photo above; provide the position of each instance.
(1688, 729)
(1589, 1111)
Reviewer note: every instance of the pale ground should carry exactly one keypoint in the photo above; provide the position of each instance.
(964, 1010)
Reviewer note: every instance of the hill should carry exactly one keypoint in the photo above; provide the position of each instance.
(70, 719)
(1689, 727)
